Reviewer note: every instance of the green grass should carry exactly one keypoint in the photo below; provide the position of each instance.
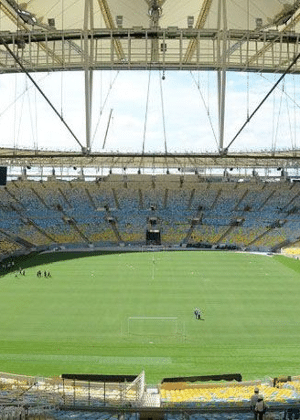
(76, 322)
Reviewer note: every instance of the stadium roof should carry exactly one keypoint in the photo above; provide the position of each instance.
(71, 34)
(69, 14)
(222, 35)
(193, 161)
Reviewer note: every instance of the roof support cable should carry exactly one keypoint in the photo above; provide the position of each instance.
(107, 128)
(295, 116)
(248, 26)
(61, 93)
(146, 112)
(248, 98)
(262, 102)
(278, 119)
(104, 104)
(289, 97)
(17, 133)
(36, 121)
(32, 114)
(17, 97)
(273, 120)
(163, 112)
(15, 113)
(40, 90)
(206, 108)
(290, 123)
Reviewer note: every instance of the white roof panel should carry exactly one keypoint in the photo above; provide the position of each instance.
(69, 14)
(54, 17)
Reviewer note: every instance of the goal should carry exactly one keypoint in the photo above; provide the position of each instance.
(153, 326)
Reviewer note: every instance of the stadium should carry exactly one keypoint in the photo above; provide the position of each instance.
(149, 209)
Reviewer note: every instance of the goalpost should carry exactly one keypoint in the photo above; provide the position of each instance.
(153, 325)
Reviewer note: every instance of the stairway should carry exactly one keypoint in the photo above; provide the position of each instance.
(151, 398)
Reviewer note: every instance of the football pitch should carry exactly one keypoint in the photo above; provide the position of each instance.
(121, 313)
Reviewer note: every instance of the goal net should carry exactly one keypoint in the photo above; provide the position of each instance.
(153, 326)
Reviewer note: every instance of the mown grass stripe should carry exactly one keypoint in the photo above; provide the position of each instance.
(102, 360)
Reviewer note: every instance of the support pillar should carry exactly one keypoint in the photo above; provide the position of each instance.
(88, 70)
(155, 12)
(222, 64)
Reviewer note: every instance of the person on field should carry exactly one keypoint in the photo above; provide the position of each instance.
(197, 313)
(260, 407)
(253, 402)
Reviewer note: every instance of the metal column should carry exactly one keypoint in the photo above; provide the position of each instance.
(222, 45)
(88, 70)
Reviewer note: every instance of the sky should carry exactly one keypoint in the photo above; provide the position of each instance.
(177, 113)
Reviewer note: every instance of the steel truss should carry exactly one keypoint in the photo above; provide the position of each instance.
(132, 49)
(23, 158)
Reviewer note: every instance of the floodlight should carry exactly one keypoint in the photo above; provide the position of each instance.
(119, 20)
(190, 22)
